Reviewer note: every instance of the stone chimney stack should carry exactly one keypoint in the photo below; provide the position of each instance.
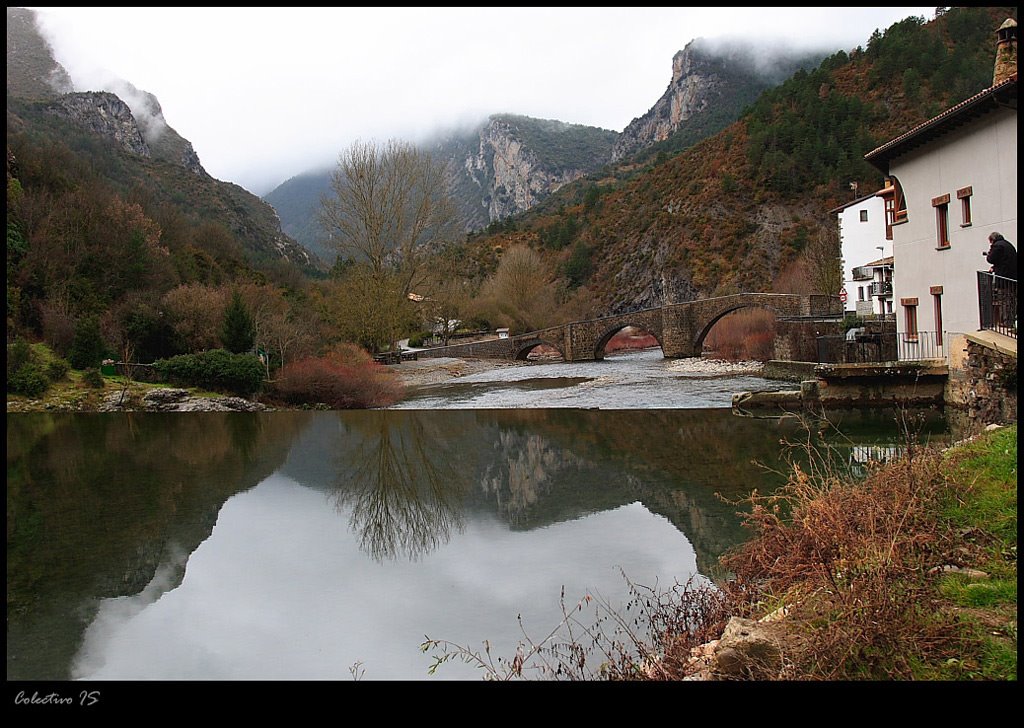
(1006, 51)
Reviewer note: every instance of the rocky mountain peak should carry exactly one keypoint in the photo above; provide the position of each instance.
(682, 65)
(708, 79)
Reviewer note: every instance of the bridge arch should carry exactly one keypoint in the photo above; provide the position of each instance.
(710, 311)
(523, 348)
(611, 331)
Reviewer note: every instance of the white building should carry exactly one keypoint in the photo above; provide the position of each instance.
(862, 239)
(873, 283)
(950, 182)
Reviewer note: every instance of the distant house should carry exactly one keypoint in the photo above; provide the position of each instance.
(949, 183)
(873, 283)
(861, 238)
(502, 333)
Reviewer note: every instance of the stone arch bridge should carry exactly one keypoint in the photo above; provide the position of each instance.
(680, 328)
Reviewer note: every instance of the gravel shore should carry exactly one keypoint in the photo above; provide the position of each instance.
(423, 372)
(438, 370)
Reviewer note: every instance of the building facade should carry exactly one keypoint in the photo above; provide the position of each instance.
(861, 239)
(951, 181)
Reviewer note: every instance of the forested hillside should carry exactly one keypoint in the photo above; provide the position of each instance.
(738, 211)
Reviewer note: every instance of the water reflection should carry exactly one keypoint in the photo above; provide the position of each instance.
(97, 504)
(202, 545)
(401, 483)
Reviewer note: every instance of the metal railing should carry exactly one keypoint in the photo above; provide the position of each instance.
(920, 346)
(997, 303)
(879, 348)
(881, 288)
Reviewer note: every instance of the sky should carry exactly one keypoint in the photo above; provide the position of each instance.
(265, 94)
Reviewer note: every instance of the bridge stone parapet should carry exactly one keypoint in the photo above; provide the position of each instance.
(493, 349)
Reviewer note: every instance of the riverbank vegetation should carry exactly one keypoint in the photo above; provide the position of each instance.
(908, 572)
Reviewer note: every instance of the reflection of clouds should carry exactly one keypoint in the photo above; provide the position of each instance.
(112, 613)
(280, 592)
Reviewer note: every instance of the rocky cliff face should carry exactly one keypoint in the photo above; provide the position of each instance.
(104, 114)
(134, 121)
(690, 91)
(510, 163)
(497, 169)
(710, 86)
(511, 175)
(164, 142)
(143, 132)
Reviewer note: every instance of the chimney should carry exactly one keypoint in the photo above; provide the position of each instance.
(1006, 51)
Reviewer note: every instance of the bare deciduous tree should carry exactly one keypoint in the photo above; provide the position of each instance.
(824, 263)
(521, 293)
(389, 207)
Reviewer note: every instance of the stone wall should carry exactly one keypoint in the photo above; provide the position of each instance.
(985, 386)
(798, 340)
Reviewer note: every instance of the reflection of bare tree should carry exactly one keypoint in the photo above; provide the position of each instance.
(406, 488)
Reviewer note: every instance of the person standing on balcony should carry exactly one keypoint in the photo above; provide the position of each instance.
(1003, 256)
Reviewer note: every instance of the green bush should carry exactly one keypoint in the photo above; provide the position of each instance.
(30, 380)
(56, 368)
(92, 378)
(217, 369)
(18, 354)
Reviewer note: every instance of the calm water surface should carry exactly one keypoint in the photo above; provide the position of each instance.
(302, 545)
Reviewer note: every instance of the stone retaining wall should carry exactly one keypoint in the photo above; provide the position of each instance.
(985, 386)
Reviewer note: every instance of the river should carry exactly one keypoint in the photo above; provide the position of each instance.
(329, 545)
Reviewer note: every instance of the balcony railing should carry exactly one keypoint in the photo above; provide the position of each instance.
(863, 273)
(881, 288)
(920, 346)
(880, 348)
(997, 303)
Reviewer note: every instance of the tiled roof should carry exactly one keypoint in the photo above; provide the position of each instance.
(851, 203)
(878, 263)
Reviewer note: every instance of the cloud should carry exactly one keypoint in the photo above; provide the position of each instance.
(266, 93)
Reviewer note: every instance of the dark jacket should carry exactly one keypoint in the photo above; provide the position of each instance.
(1003, 257)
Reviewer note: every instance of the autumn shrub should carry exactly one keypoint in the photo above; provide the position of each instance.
(853, 560)
(650, 639)
(628, 341)
(344, 378)
(747, 335)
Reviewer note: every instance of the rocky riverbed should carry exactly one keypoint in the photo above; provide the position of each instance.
(425, 372)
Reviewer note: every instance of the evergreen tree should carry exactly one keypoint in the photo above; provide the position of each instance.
(239, 330)
(87, 348)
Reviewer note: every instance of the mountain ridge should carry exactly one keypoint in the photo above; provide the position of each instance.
(132, 120)
(509, 163)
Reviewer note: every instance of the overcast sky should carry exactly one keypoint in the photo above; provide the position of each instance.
(264, 94)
